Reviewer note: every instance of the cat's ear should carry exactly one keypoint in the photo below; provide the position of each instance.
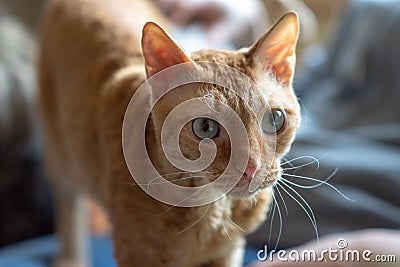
(159, 50)
(275, 51)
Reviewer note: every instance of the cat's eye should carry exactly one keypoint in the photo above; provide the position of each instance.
(205, 128)
(273, 121)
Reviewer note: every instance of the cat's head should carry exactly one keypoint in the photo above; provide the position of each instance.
(268, 109)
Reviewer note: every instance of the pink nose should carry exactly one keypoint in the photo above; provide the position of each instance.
(251, 169)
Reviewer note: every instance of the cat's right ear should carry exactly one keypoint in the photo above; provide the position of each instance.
(159, 50)
(275, 51)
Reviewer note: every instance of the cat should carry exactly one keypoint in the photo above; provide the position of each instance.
(91, 64)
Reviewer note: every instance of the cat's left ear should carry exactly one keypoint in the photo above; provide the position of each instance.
(160, 51)
(275, 51)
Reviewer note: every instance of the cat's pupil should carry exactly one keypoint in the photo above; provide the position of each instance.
(206, 126)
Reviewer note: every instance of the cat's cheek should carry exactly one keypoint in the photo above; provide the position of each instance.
(266, 176)
(284, 143)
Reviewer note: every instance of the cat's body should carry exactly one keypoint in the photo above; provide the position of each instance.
(91, 65)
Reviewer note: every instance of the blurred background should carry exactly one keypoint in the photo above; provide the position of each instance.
(348, 83)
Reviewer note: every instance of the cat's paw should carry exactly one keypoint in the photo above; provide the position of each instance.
(68, 263)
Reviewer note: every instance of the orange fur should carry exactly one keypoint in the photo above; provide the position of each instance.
(90, 66)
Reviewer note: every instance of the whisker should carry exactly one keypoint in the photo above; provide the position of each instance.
(183, 178)
(169, 174)
(251, 202)
(177, 205)
(164, 182)
(312, 216)
(255, 200)
(226, 231)
(315, 180)
(162, 176)
(196, 222)
(283, 201)
(271, 222)
(314, 160)
(280, 221)
(174, 180)
(319, 181)
(175, 173)
(294, 167)
(286, 162)
(237, 226)
(206, 196)
(222, 221)
(164, 212)
(133, 184)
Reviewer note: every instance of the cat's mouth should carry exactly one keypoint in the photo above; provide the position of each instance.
(246, 188)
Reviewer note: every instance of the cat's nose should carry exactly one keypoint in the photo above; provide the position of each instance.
(251, 169)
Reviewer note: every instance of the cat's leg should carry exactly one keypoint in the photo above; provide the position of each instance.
(71, 224)
(142, 235)
(132, 244)
(232, 257)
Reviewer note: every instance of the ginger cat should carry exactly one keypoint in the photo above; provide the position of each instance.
(91, 64)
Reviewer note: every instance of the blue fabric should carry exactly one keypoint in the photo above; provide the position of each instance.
(39, 252)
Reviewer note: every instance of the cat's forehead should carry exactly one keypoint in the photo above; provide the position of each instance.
(240, 89)
(234, 59)
(263, 88)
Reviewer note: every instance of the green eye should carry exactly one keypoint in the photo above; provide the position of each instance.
(205, 128)
(273, 121)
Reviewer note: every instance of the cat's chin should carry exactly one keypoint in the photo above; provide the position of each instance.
(238, 193)
(242, 189)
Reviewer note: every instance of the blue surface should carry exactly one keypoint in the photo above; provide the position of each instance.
(40, 252)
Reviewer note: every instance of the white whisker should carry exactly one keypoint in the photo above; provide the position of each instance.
(222, 220)
(294, 167)
(314, 160)
(204, 197)
(309, 207)
(174, 180)
(312, 216)
(313, 220)
(234, 224)
(271, 223)
(286, 162)
(177, 205)
(320, 182)
(251, 202)
(226, 231)
(283, 201)
(255, 200)
(315, 180)
(164, 212)
(280, 218)
(196, 222)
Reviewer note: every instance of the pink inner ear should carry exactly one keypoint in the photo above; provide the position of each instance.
(159, 50)
(275, 50)
(275, 58)
(162, 58)
(282, 71)
(156, 61)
